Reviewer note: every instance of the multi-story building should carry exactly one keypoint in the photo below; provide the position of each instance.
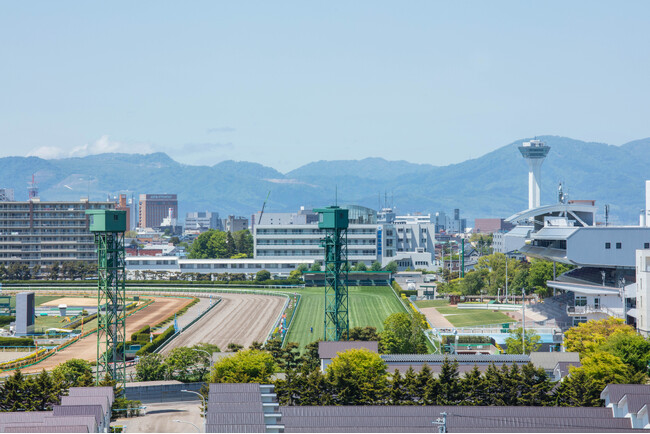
(643, 292)
(155, 207)
(202, 221)
(41, 233)
(234, 224)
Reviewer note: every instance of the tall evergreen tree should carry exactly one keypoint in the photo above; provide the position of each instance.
(450, 392)
(472, 387)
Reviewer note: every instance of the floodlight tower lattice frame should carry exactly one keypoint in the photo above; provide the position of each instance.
(334, 221)
(108, 228)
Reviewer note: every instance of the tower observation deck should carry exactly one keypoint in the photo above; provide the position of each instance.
(534, 152)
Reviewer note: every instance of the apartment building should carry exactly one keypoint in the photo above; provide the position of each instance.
(41, 233)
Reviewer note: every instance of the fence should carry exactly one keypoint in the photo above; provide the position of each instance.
(162, 392)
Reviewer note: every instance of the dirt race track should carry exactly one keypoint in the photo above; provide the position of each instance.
(238, 318)
(86, 348)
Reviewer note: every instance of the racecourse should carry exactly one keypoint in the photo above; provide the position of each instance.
(367, 306)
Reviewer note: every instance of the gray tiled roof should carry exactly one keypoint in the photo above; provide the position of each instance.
(236, 428)
(235, 397)
(635, 402)
(616, 391)
(235, 418)
(23, 416)
(234, 388)
(235, 408)
(548, 360)
(328, 349)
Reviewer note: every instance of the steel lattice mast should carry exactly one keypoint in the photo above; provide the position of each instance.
(334, 221)
(108, 227)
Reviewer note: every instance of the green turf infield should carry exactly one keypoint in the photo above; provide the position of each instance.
(472, 317)
(368, 306)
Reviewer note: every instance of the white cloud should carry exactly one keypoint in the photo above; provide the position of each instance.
(100, 146)
(47, 152)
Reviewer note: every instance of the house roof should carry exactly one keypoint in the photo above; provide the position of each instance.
(548, 360)
(461, 358)
(635, 401)
(329, 349)
(235, 408)
(617, 391)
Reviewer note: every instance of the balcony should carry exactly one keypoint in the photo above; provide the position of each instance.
(587, 309)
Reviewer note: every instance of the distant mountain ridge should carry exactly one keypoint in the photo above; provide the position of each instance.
(493, 185)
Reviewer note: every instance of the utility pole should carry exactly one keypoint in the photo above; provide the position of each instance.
(462, 258)
(523, 322)
(441, 422)
(506, 300)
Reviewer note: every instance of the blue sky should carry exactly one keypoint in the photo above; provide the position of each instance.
(286, 83)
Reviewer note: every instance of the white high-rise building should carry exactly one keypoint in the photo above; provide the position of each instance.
(534, 152)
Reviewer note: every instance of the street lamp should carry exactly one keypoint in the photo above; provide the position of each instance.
(189, 423)
(205, 406)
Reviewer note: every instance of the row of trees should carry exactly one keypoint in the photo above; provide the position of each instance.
(215, 244)
(42, 391)
(69, 270)
(489, 277)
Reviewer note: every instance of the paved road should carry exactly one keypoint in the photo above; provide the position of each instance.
(436, 318)
(238, 318)
(159, 418)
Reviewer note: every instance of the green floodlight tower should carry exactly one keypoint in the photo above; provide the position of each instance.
(334, 221)
(109, 226)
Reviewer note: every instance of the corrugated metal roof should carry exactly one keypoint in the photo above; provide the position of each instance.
(235, 418)
(234, 388)
(93, 391)
(461, 358)
(235, 428)
(48, 429)
(435, 410)
(89, 421)
(86, 400)
(235, 397)
(236, 407)
(329, 349)
(82, 410)
(20, 416)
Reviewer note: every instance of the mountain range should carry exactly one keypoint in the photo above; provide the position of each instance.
(494, 185)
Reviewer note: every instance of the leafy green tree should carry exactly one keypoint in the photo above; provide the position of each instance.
(186, 365)
(218, 245)
(397, 394)
(360, 266)
(310, 359)
(244, 242)
(633, 350)
(391, 266)
(358, 377)
(74, 373)
(473, 282)
(589, 336)
(200, 248)
(535, 386)
(150, 367)
(38, 393)
(367, 333)
(403, 334)
(514, 342)
(262, 275)
(316, 266)
(376, 266)
(247, 366)
(231, 249)
(234, 347)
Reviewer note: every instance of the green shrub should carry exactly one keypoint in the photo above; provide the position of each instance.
(158, 341)
(6, 320)
(16, 342)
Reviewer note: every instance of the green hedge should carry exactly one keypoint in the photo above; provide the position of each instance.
(396, 286)
(142, 335)
(16, 342)
(158, 341)
(6, 320)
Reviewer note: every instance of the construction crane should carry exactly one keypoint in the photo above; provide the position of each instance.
(259, 221)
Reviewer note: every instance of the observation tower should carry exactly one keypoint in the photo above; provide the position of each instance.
(534, 152)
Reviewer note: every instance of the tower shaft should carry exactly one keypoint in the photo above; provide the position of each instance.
(534, 152)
